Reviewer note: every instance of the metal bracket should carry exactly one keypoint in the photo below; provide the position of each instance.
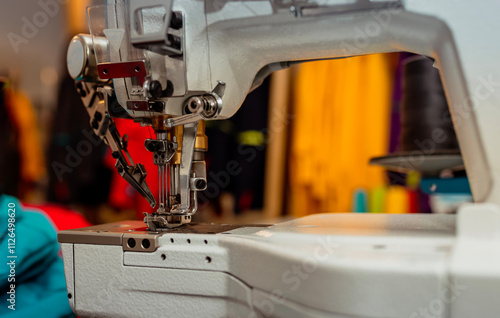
(188, 142)
(144, 105)
(135, 69)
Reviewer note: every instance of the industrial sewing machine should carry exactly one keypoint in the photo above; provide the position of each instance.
(174, 64)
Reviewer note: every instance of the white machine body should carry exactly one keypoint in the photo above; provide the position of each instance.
(323, 265)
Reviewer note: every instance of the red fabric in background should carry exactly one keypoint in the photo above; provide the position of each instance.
(62, 218)
(122, 195)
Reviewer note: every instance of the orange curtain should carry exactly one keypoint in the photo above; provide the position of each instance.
(341, 110)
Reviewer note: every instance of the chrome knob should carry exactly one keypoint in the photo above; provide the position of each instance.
(80, 58)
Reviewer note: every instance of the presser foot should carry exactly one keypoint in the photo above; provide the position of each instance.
(163, 222)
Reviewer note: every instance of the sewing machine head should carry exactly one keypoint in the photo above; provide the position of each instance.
(124, 69)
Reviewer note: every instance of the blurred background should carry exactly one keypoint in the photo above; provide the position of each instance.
(300, 144)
